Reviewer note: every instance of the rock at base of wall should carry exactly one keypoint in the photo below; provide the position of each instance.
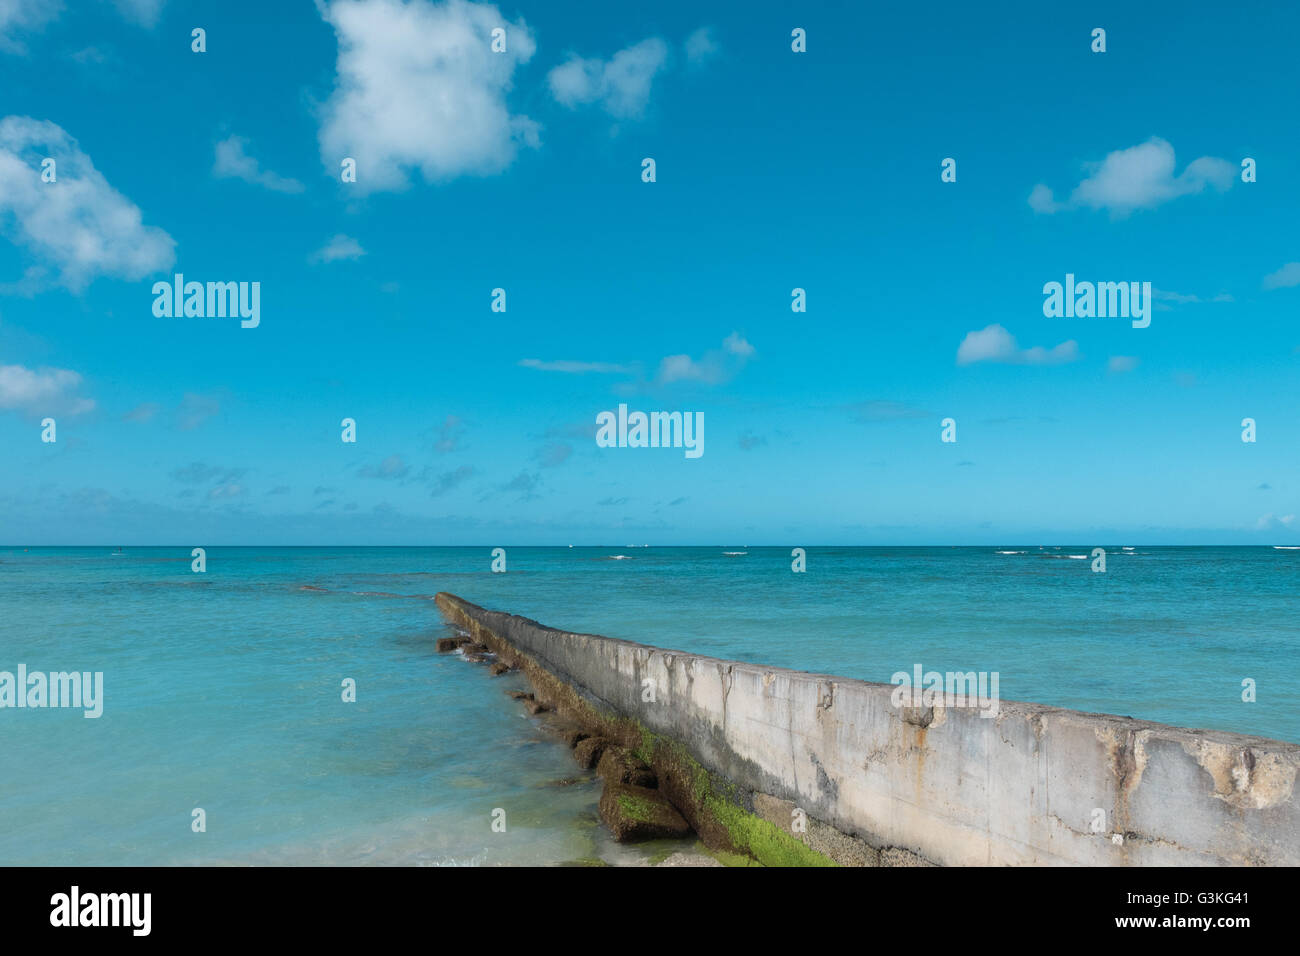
(638, 813)
(535, 707)
(498, 668)
(588, 752)
(620, 765)
(572, 736)
(445, 644)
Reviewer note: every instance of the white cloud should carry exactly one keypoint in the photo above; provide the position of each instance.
(79, 224)
(1118, 364)
(339, 247)
(1283, 278)
(1140, 177)
(577, 368)
(419, 88)
(233, 162)
(621, 84)
(715, 367)
(995, 344)
(701, 46)
(45, 391)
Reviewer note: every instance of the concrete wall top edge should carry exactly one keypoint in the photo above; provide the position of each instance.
(1008, 709)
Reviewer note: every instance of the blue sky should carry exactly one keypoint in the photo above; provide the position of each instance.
(521, 170)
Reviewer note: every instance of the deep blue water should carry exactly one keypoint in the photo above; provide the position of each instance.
(223, 689)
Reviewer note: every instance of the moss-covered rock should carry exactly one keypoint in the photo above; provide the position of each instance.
(620, 765)
(639, 813)
(588, 752)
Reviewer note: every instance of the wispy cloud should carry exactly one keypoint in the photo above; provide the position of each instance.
(195, 409)
(449, 480)
(553, 454)
(233, 162)
(449, 435)
(1271, 522)
(575, 368)
(390, 468)
(701, 46)
(1283, 278)
(144, 412)
(339, 247)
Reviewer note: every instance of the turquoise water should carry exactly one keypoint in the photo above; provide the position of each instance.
(223, 689)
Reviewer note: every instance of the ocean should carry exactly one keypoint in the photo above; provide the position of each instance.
(223, 690)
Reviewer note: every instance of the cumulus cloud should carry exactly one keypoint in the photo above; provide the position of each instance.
(43, 391)
(419, 88)
(233, 162)
(715, 367)
(995, 344)
(1140, 177)
(1287, 276)
(339, 247)
(80, 225)
(621, 84)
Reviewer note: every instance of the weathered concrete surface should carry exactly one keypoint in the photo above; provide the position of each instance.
(947, 785)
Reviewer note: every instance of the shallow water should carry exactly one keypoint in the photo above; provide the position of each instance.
(223, 689)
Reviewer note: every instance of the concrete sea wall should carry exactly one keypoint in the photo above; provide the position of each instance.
(743, 750)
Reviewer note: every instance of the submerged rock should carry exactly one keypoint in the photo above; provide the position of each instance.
(638, 813)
